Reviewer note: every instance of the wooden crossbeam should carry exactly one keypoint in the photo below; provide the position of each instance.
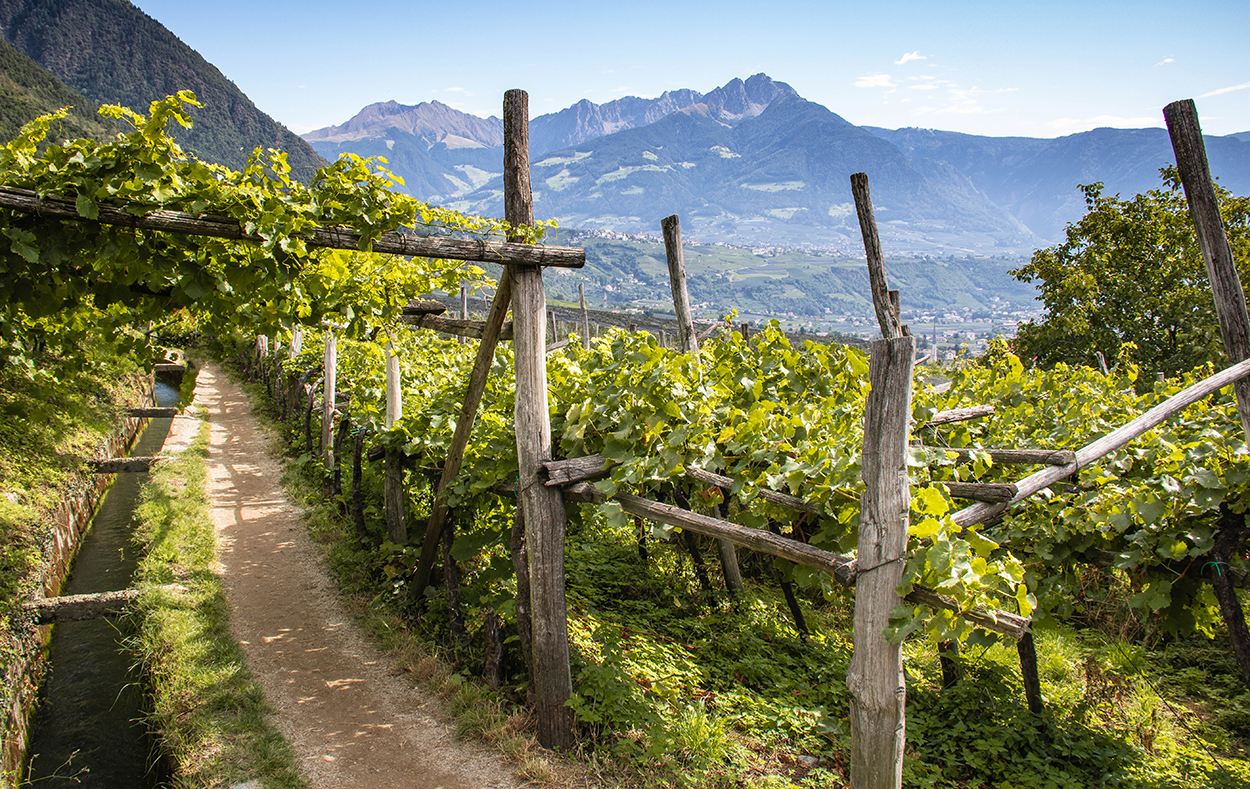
(959, 415)
(1021, 457)
(842, 568)
(392, 243)
(152, 413)
(456, 326)
(123, 465)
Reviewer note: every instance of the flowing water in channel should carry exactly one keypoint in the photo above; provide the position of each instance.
(88, 730)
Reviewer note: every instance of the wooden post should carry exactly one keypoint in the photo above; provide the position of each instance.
(875, 677)
(345, 426)
(393, 487)
(358, 498)
(464, 309)
(543, 506)
(328, 396)
(1028, 673)
(581, 298)
(1229, 539)
(1204, 207)
(888, 320)
(689, 340)
(464, 426)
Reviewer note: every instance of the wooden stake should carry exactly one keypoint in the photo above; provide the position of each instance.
(686, 337)
(875, 677)
(543, 506)
(393, 485)
(1028, 673)
(1204, 207)
(581, 298)
(464, 309)
(328, 396)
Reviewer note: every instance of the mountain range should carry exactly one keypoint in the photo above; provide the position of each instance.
(754, 163)
(111, 52)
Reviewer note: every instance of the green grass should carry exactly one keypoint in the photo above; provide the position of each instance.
(208, 711)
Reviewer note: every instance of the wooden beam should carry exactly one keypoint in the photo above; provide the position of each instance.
(887, 319)
(1020, 457)
(982, 491)
(842, 568)
(875, 676)
(1116, 439)
(392, 243)
(492, 329)
(543, 507)
(123, 465)
(1204, 207)
(959, 415)
(776, 497)
(474, 330)
(81, 607)
(152, 413)
(582, 469)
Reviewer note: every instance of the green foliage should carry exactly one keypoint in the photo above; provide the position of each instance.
(1132, 271)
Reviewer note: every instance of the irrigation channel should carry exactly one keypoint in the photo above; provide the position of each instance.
(89, 729)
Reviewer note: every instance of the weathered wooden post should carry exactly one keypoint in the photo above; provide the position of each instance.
(393, 486)
(875, 676)
(581, 298)
(328, 395)
(464, 310)
(1230, 305)
(543, 506)
(689, 343)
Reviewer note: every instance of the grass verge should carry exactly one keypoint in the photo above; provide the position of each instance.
(208, 712)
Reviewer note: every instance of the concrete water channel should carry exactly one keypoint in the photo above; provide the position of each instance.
(89, 729)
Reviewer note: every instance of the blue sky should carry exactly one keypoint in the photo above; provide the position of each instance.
(1038, 69)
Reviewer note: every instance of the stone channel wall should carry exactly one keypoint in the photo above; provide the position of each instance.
(69, 521)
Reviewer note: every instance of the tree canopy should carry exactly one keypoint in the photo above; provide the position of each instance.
(1131, 271)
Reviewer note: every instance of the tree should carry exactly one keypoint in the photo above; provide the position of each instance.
(1131, 271)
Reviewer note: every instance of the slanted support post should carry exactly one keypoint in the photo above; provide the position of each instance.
(688, 341)
(464, 310)
(1204, 207)
(393, 485)
(543, 506)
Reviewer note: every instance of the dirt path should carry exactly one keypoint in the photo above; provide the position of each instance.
(352, 720)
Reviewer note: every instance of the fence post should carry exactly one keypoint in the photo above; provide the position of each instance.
(464, 310)
(543, 506)
(327, 397)
(875, 677)
(581, 298)
(1230, 305)
(393, 486)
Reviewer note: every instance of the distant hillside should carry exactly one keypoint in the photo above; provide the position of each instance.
(111, 52)
(27, 90)
(778, 178)
(1036, 179)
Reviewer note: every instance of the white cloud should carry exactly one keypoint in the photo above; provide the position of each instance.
(876, 81)
(1165, 61)
(925, 86)
(910, 56)
(1229, 89)
(1074, 125)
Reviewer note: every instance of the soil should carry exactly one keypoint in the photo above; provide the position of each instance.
(353, 720)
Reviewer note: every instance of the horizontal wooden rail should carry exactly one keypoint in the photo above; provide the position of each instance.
(959, 415)
(1020, 457)
(80, 607)
(152, 413)
(456, 326)
(1116, 439)
(122, 465)
(842, 568)
(982, 491)
(391, 243)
